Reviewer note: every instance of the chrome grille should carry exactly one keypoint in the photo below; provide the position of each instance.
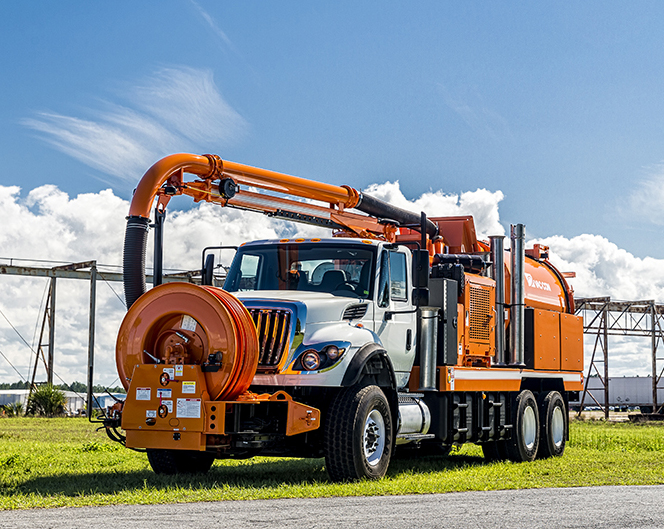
(355, 311)
(273, 329)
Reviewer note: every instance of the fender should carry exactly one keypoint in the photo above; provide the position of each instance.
(363, 356)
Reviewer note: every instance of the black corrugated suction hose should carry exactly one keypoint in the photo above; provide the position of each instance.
(133, 258)
(382, 210)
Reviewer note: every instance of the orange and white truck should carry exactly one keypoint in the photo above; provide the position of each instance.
(398, 332)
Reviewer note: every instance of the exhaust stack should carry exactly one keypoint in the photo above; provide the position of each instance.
(517, 309)
(498, 273)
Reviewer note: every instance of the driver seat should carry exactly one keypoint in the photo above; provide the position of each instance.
(331, 281)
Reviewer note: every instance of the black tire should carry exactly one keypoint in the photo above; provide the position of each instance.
(179, 461)
(359, 438)
(553, 425)
(495, 450)
(523, 444)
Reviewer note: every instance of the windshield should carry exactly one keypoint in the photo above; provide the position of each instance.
(341, 269)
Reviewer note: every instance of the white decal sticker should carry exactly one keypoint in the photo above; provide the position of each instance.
(164, 393)
(460, 350)
(170, 372)
(143, 394)
(189, 387)
(151, 414)
(450, 377)
(188, 409)
(179, 370)
(168, 404)
(188, 323)
(536, 283)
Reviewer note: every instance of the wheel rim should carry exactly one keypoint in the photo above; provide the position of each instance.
(557, 427)
(529, 427)
(374, 437)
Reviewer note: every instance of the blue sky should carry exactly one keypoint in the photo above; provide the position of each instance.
(545, 113)
(557, 105)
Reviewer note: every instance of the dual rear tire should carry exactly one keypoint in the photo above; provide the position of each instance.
(539, 429)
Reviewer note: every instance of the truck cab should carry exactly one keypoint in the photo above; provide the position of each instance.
(344, 293)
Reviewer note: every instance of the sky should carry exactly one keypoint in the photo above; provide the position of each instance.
(548, 114)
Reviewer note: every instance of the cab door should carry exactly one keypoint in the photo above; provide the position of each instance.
(394, 319)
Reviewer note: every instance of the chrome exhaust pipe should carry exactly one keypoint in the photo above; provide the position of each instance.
(517, 301)
(498, 274)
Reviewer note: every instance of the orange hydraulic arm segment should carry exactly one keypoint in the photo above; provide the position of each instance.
(208, 168)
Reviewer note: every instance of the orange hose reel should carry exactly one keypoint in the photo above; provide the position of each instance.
(182, 323)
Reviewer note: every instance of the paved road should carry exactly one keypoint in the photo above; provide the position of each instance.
(588, 508)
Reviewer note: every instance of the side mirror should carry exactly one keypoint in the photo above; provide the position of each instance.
(421, 269)
(208, 269)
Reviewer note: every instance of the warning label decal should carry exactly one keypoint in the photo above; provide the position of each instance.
(143, 394)
(188, 409)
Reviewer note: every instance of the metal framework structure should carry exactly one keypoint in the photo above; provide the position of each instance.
(603, 318)
(87, 271)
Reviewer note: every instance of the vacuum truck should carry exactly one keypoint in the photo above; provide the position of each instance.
(399, 332)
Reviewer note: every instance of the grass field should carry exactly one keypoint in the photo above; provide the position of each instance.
(64, 462)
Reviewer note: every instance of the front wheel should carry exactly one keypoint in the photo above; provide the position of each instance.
(359, 438)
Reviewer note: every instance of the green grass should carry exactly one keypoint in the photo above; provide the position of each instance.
(64, 462)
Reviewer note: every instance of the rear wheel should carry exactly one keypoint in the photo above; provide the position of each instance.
(553, 425)
(359, 438)
(179, 461)
(523, 444)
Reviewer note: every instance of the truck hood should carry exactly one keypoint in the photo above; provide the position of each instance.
(321, 306)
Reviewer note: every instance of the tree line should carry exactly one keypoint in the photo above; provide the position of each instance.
(78, 387)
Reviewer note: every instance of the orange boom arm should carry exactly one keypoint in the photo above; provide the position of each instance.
(220, 182)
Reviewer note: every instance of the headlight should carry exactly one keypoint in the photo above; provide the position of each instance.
(333, 352)
(311, 360)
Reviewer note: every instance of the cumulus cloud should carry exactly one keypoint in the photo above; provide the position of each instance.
(603, 269)
(482, 204)
(46, 222)
(174, 109)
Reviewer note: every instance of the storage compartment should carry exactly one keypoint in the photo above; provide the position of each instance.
(571, 340)
(542, 347)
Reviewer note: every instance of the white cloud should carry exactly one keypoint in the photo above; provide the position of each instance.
(48, 223)
(212, 24)
(175, 109)
(482, 204)
(647, 200)
(603, 269)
